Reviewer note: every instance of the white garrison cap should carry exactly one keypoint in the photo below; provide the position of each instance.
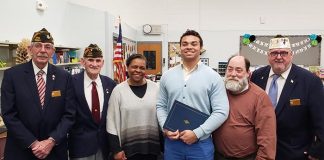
(279, 43)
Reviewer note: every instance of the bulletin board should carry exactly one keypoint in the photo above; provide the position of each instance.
(303, 52)
(173, 54)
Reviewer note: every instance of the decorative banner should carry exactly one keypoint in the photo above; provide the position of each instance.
(298, 47)
(302, 47)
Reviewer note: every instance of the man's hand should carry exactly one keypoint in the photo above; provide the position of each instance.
(120, 156)
(310, 157)
(172, 135)
(188, 137)
(41, 149)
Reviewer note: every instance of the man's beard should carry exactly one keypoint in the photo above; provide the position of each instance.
(236, 85)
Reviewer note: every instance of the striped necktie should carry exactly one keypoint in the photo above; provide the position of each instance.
(273, 90)
(41, 86)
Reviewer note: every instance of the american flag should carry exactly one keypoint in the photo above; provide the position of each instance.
(118, 61)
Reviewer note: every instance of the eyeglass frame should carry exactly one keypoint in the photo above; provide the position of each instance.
(47, 46)
(276, 53)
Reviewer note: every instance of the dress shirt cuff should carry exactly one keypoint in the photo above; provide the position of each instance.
(52, 139)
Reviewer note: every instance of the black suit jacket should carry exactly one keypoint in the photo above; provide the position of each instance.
(86, 136)
(24, 117)
(298, 125)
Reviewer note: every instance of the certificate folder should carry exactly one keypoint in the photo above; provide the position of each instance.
(183, 117)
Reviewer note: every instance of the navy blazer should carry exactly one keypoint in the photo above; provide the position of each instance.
(24, 117)
(300, 127)
(86, 136)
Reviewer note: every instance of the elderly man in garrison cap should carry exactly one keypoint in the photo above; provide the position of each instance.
(298, 98)
(88, 137)
(37, 103)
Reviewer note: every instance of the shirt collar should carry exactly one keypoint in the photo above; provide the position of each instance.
(36, 69)
(194, 68)
(88, 81)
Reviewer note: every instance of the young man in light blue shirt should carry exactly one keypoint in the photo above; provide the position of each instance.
(200, 87)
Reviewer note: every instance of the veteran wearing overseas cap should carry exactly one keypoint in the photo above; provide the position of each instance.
(280, 54)
(41, 48)
(37, 103)
(88, 137)
(298, 98)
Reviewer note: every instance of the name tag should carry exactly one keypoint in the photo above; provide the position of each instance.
(295, 102)
(56, 93)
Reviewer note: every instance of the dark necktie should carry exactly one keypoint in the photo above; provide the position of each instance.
(273, 90)
(95, 103)
(41, 86)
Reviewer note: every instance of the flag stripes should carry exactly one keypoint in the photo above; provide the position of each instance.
(118, 61)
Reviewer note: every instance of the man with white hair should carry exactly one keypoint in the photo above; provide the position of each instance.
(249, 133)
(298, 98)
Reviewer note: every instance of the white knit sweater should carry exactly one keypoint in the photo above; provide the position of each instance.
(134, 120)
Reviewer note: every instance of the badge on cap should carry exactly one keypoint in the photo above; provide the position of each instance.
(282, 42)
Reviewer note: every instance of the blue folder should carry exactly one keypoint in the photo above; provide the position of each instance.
(183, 117)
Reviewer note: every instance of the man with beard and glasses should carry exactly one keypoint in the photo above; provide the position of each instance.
(250, 131)
(298, 99)
(197, 86)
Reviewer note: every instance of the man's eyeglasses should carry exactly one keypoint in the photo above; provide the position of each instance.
(281, 53)
(47, 47)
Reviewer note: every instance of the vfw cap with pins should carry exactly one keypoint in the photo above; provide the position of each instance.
(92, 51)
(43, 36)
(281, 42)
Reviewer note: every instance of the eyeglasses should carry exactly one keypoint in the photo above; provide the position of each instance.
(281, 53)
(47, 47)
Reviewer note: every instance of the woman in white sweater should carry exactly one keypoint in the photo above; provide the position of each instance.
(131, 119)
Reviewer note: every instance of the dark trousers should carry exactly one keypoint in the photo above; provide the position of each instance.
(219, 156)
